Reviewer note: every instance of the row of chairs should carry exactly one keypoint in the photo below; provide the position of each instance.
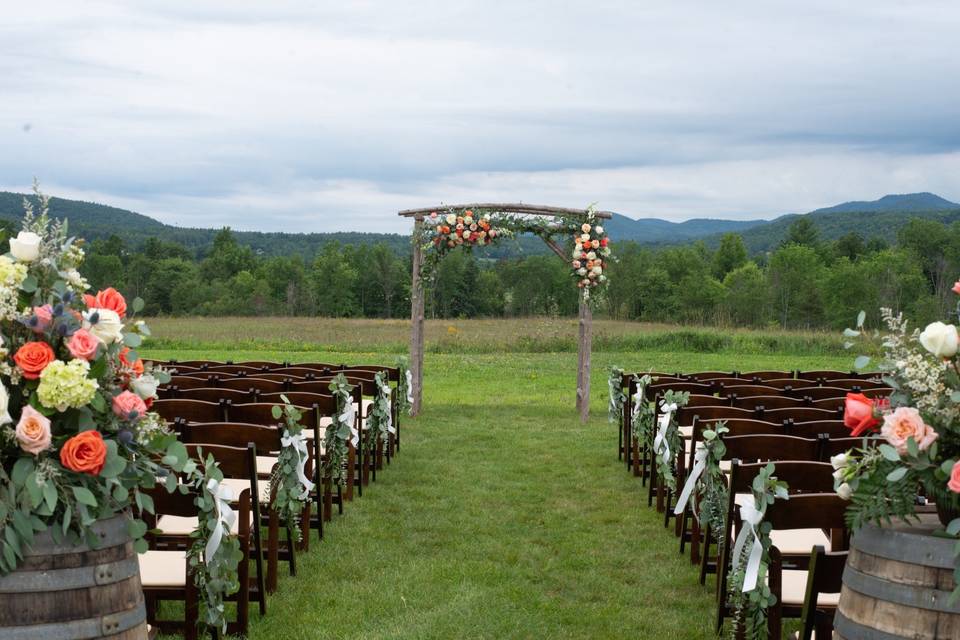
(798, 427)
(235, 424)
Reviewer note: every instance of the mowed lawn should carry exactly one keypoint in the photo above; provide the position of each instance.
(503, 516)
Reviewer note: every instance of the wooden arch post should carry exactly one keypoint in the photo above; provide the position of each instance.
(585, 316)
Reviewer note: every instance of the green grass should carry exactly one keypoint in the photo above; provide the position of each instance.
(502, 517)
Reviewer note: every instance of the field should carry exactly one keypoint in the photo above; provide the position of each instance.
(502, 517)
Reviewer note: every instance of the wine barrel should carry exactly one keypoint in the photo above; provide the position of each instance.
(897, 584)
(75, 592)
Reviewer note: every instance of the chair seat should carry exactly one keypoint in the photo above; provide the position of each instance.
(184, 525)
(265, 465)
(799, 542)
(686, 432)
(794, 585)
(239, 484)
(163, 569)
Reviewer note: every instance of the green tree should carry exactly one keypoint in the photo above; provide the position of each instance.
(731, 255)
(794, 277)
(747, 293)
(803, 231)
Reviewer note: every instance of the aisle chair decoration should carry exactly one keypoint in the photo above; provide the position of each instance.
(748, 593)
(404, 386)
(706, 483)
(78, 443)
(643, 415)
(289, 483)
(668, 443)
(616, 395)
(920, 424)
(380, 420)
(343, 432)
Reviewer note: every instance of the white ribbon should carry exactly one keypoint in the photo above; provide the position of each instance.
(387, 390)
(299, 444)
(751, 517)
(222, 495)
(409, 386)
(699, 464)
(638, 400)
(349, 416)
(660, 444)
(612, 409)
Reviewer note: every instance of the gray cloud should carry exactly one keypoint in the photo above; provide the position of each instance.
(334, 115)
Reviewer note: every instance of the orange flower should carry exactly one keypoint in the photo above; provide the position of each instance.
(137, 365)
(109, 298)
(84, 453)
(858, 414)
(33, 358)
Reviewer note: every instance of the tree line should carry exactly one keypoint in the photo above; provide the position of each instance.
(806, 282)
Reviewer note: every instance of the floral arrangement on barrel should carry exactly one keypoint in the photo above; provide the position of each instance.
(912, 438)
(77, 440)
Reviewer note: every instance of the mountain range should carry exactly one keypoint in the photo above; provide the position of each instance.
(877, 218)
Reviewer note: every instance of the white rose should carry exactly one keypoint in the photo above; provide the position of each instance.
(602, 278)
(4, 406)
(451, 219)
(108, 328)
(839, 461)
(598, 229)
(582, 271)
(145, 386)
(845, 491)
(468, 219)
(838, 474)
(598, 270)
(577, 254)
(592, 255)
(25, 247)
(940, 339)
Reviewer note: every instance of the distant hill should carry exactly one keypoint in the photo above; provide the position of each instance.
(881, 218)
(878, 218)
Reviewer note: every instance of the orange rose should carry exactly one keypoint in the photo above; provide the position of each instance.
(109, 298)
(84, 453)
(137, 365)
(33, 357)
(858, 414)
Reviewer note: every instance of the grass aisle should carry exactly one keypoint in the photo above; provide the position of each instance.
(503, 517)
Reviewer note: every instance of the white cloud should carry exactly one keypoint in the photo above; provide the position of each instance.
(333, 116)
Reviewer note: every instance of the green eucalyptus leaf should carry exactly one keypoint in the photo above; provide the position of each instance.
(897, 474)
(84, 496)
(889, 453)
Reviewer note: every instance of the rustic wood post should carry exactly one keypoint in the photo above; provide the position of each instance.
(416, 320)
(584, 347)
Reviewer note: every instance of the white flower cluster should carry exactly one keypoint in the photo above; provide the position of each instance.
(12, 275)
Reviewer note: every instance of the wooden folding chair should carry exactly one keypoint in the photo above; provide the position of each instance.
(179, 411)
(824, 582)
(218, 395)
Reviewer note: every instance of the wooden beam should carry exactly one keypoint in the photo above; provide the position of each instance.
(584, 347)
(556, 249)
(531, 209)
(416, 323)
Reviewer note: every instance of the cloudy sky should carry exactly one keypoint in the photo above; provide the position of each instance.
(317, 116)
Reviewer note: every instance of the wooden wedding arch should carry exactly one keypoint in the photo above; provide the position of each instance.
(585, 324)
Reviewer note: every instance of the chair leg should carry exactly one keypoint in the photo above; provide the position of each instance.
(258, 560)
(273, 550)
(292, 550)
(340, 498)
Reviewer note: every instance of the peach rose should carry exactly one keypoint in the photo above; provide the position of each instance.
(904, 423)
(109, 298)
(956, 287)
(128, 405)
(954, 484)
(84, 453)
(33, 431)
(33, 358)
(83, 345)
(44, 317)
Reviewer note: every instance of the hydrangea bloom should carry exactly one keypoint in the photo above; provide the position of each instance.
(65, 385)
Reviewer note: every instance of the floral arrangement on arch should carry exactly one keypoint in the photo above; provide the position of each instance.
(912, 438)
(589, 254)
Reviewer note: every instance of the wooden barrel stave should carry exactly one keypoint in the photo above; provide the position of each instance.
(897, 584)
(65, 592)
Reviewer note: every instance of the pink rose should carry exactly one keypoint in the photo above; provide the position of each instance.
(83, 345)
(33, 431)
(44, 317)
(954, 484)
(904, 423)
(956, 287)
(127, 405)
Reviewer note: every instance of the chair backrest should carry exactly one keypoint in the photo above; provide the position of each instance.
(234, 461)
(801, 476)
(740, 426)
(767, 447)
(830, 404)
(179, 410)
(786, 383)
(263, 365)
(657, 389)
(835, 446)
(767, 402)
(393, 373)
(698, 400)
(800, 414)
(260, 384)
(829, 428)
(192, 382)
(827, 374)
(766, 375)
(808, 511)
(746, 390)
(217, 394)
(227, 370)
(253, 413)
(687, 415)
(305, 373)
(199, 364)
(325, 403)
(709, 375)
(367, 385)
(266, 439)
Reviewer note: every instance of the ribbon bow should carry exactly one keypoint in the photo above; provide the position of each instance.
(349, 416)
(409, 386)
(612, 409)
(222, 496)
(699, 464)
(751, 517)
(299, 444)
(638, 399)
(660, 444)
(386, 389)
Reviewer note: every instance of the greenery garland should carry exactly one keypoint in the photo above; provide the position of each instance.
(617, 396)
(380, 420)
(340, 433)
(215, 574)
(712, 490)
(750, 606)
(642, 418)
(404, 403)
(289, 483)
(671, 443)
